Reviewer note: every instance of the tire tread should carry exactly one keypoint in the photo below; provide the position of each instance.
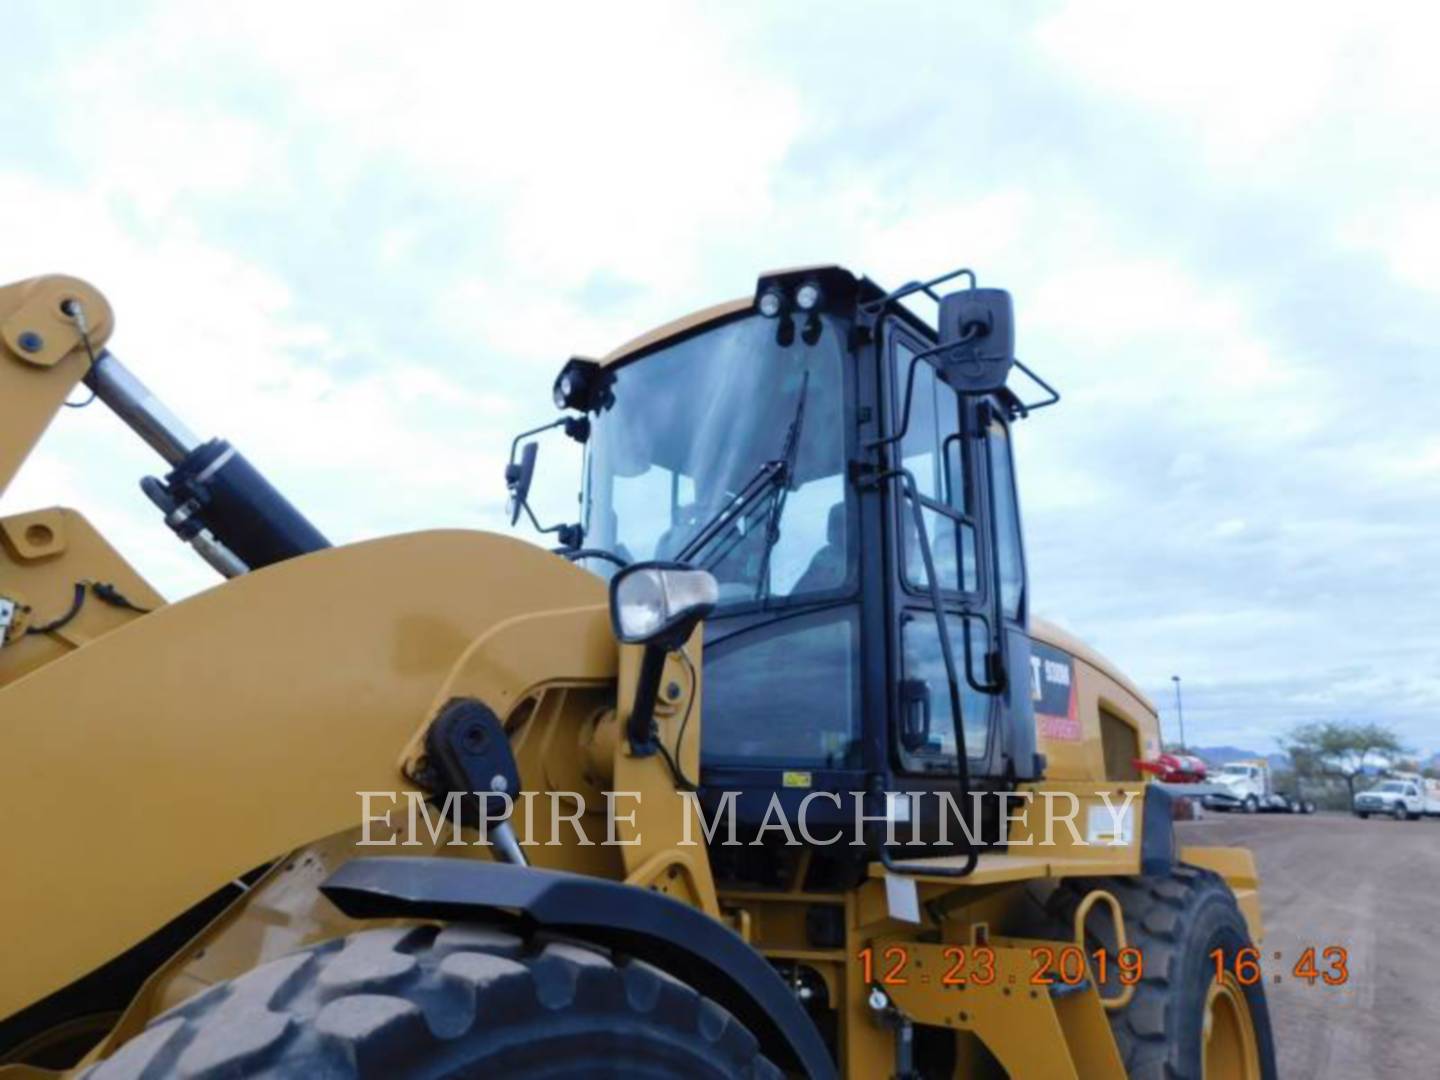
(419, 1001)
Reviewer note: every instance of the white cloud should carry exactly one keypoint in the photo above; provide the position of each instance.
(360, 246)
(1243, 76)
(1405, 230)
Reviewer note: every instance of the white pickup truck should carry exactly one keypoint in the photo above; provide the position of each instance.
(1403, 796)
(1247, 786)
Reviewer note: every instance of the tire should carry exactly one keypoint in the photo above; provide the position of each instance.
(427, 1001)
(1175, 921)
(1309, 807)
(1251, 804)
(1363, 815)
(1398, 812)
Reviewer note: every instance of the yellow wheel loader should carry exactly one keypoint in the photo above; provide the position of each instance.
(765, 769)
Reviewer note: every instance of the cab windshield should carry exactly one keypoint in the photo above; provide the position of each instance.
(684, 432)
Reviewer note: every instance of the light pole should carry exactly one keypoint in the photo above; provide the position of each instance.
(1179, 710)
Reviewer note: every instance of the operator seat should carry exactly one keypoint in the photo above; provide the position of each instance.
(675, 537)
(828, 565)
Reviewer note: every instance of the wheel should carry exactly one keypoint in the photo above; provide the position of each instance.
(1362, 814)
(1251, 804)
(1398, 812)
(426, 1001)
(1183, 1023)
(1309, 807)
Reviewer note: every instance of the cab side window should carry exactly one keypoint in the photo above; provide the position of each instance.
(1009, 552)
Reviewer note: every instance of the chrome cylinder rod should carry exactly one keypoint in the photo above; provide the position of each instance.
(146, 415)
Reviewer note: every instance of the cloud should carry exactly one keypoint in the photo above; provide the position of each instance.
(361, 248)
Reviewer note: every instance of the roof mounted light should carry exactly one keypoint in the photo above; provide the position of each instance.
(808, 296)
(771, 302)
(574, 384)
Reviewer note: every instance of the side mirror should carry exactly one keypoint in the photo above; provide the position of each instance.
(914, 713)
(977, 340)
(518, 477)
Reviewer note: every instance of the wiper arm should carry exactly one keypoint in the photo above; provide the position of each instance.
(788, 456)
(766, 478)
(772, 476)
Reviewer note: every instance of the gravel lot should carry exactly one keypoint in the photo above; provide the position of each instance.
(1372, 887)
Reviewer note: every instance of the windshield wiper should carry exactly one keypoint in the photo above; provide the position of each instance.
(770, 478)
(765, 480)
(787, 458)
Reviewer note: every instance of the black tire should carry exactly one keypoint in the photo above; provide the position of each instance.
(1251, 804)
(1398, 812)
(462, 1001)
(1309, 807)
(1176, 922)
(1363, 815)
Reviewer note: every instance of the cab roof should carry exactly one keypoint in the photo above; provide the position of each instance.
(698, 320)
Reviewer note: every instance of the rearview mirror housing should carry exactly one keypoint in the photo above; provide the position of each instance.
(518, 477)
(976, 340)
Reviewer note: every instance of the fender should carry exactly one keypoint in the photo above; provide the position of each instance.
(671, 935)
(141, 772)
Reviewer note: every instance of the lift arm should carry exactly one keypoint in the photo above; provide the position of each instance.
(53, 331)
(43, 354)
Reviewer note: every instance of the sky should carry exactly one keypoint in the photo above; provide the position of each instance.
(360, 245)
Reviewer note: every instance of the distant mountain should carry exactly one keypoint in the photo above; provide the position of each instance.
(1215, 756)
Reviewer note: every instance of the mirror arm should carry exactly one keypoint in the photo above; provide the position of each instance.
(571, 536)
(515, 443)
(1025, 408)
(904, 412)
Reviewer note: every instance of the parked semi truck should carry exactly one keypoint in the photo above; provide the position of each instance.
(1249, 787)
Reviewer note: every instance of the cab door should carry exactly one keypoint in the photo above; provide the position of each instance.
(952, 480)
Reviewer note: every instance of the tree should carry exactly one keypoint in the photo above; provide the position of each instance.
(1340, 749)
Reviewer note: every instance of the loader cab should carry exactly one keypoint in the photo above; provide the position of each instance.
(824, 659)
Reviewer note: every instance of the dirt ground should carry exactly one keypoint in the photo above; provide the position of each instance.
(1372, 887)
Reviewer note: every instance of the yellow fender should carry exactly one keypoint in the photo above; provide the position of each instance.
(143, 771)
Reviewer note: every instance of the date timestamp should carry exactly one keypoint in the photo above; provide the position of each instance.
(1068, 965)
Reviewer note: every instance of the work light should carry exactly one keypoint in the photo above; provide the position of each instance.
(574, 384)
(808, 296)
(660, 603)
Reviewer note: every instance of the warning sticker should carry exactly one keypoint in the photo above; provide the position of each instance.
(1052, 688)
